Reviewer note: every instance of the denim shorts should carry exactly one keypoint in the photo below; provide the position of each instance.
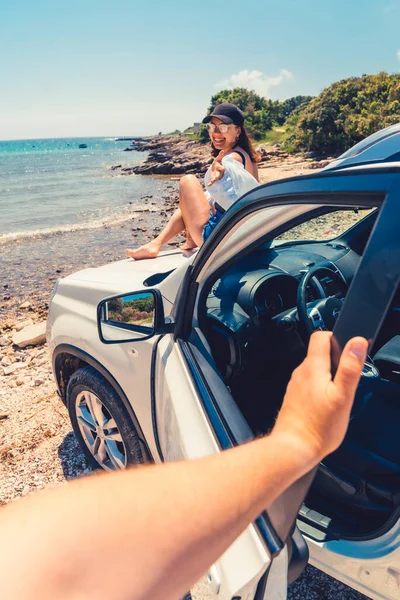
(211, 223)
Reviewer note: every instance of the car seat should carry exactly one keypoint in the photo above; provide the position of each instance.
(387, 360)
(364, 471)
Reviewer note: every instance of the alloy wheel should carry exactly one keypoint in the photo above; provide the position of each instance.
(100, 432)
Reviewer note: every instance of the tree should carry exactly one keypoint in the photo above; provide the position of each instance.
(258, 111)
(287, 107)
(346, 112)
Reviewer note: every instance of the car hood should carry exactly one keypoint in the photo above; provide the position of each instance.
(125, 273)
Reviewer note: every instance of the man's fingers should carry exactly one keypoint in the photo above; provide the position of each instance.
(319, 350)
(350, 366)
(319, 343)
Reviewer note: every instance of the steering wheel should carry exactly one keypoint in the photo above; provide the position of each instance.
(322, 313)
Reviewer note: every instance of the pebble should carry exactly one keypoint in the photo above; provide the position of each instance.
(5, 361)
(25, 304)
(14, 367)
(26, 490)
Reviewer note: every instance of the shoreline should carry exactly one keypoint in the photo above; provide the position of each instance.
(31, 265)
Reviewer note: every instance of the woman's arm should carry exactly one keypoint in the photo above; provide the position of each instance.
(152, 532)
(255, 172)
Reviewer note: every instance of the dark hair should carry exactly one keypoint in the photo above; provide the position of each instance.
(245, 142)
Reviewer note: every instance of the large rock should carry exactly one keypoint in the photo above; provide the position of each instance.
(33, 335)
(14, 367)
(5, 361)
(170, 155)
(19, 326)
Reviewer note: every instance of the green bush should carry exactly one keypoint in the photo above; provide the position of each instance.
(347, 112)
(292, 106)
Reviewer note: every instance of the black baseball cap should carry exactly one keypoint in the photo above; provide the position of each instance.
(227, 113)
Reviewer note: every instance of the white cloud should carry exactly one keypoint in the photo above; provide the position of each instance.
(398, 54)
(255, 80)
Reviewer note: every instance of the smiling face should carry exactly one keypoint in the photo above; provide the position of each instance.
(224, 141)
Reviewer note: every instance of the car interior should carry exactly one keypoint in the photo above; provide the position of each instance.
(258, 317)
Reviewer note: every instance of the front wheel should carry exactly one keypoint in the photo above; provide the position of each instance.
(101, 422)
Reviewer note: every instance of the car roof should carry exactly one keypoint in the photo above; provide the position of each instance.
(369, 167)
(381, 147)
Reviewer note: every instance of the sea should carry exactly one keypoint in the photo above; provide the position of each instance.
(63, 208)
(54, 185)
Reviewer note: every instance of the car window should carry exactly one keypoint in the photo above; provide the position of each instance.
(325, 227)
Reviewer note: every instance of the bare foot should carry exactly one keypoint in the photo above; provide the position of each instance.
(149, 250)
(188, 245)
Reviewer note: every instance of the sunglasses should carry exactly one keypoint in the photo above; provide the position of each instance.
(212, 128)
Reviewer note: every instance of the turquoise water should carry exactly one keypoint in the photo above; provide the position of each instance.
(53, 186)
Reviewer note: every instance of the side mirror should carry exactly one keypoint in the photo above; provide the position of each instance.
(131, 317)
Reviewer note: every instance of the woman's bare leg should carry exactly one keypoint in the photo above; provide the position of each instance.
(194, 206)
(174, 226)
(193, 214)
(189, 243)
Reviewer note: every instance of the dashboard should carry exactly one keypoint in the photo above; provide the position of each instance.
(266, 284)
(250, 303)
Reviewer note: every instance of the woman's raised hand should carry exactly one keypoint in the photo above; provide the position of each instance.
(217, 170)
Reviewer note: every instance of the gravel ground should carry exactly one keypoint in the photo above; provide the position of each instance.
(37, 446)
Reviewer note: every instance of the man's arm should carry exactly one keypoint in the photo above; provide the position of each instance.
(152, 532)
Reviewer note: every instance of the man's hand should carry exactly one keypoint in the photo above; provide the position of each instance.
(217, 170)
(316, 409)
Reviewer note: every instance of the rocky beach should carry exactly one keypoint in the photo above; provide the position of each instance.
(37, 446)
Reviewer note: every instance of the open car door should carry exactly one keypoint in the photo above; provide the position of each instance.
(194, 413)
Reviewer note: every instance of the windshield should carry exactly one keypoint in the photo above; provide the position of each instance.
(324, 228)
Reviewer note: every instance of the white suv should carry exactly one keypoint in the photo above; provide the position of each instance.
(179, 357)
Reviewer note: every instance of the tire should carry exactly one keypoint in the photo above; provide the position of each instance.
(92, 405)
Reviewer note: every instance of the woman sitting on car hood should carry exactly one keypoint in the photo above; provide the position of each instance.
(234, 167)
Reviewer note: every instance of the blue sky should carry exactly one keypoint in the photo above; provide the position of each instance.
(95, 67)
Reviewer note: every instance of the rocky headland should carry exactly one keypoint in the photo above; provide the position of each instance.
(178, 155)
